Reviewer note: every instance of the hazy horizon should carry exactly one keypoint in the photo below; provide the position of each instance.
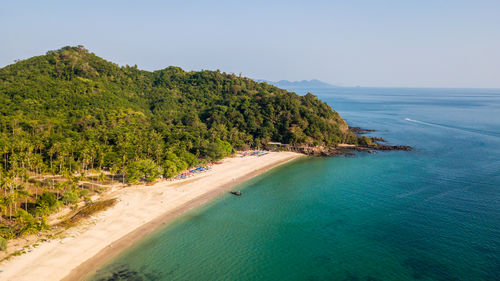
(431, 44)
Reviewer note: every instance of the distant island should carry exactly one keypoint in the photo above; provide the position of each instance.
(304, 84)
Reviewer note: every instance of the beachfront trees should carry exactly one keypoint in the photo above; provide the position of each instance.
(169, 169)
(28, 224)
(180, 165)
(189, 158)
(70, 197)
(3, 243)
(47, 202)
(145, 169)
(217, 150)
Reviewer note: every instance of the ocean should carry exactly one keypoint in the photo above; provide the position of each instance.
(429, 214)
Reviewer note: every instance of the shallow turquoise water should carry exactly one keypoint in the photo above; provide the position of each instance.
(429, 214)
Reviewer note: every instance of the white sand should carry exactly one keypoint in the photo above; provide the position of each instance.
(140, 210)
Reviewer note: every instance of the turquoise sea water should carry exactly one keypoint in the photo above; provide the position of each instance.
(429, 214)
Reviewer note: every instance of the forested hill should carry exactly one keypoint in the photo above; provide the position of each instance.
(70, 110)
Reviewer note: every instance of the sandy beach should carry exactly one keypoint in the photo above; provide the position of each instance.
(139, 211)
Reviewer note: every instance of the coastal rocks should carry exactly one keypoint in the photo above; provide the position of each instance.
(365, 144)
(378, 139)
(377, 146)
(394, 147)
(346, 150)
(360, 131)
(374, 143)
(318, 150)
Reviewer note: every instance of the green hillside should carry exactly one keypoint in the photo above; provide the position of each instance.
(70, 109)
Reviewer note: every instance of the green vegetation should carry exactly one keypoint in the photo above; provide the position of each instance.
(3, 244)
(143, 169)
(364, 140)
(87, 211)
(69, 118)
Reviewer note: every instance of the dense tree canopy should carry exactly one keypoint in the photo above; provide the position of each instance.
(71, 110)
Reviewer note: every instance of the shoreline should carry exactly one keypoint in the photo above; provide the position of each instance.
(105, 236)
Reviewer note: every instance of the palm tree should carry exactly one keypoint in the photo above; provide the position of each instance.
(123, 166)
(114, 169)
(4, 183)
(102, 177)
(3, 205)
(37, 185)
(55, 149)
(36, 164)
(4, 150)
(9, 200)
(101, 153)
(7, 183)
(16, 195)
(22, 192)
(60, 186)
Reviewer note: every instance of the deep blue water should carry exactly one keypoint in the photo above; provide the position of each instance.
(429, 214)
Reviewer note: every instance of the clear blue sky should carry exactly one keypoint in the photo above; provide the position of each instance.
(435, 43)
